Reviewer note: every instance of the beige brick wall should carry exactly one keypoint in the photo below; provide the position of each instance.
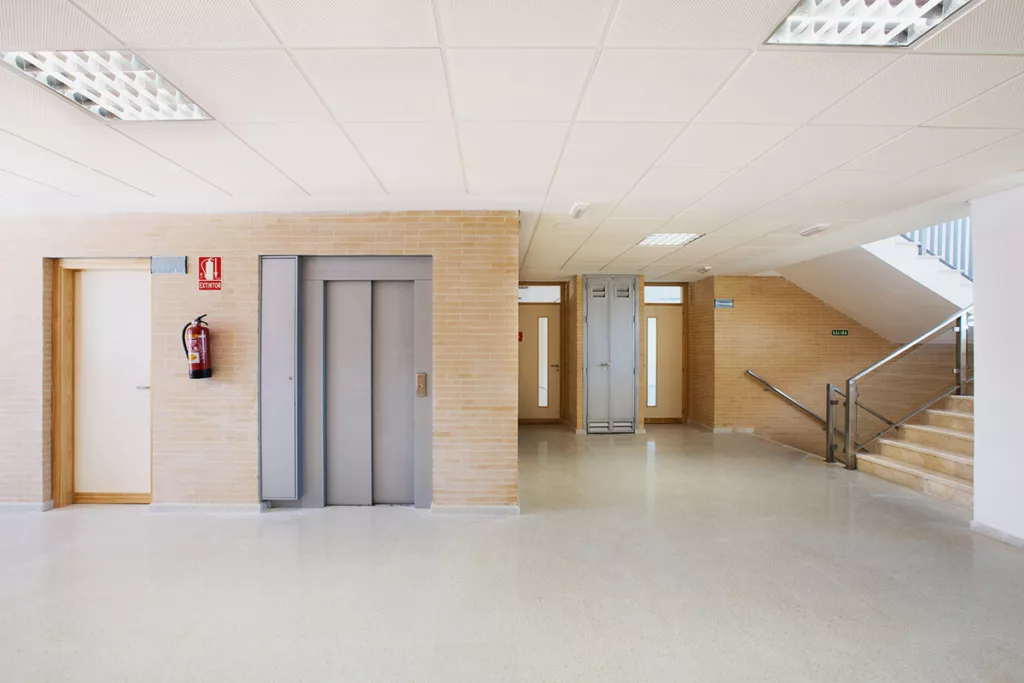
(784, 334)
(700, 352)
(205, 432)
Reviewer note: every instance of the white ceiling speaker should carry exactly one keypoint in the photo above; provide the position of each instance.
(578, 209)
(814, 230)
(703, 270)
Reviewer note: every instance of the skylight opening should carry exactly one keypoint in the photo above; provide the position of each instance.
(668, 239)
(112, 84)
(877, 23)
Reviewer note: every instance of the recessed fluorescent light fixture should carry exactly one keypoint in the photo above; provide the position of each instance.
(112, 84)
(879, 23)
(668, 239)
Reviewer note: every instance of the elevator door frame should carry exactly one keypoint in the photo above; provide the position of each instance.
(636, 351)
(313, 272)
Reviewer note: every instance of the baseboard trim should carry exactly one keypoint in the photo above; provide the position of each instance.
(486, 510)
(997, 534)
(210, 508)
(89, 498)
(26, 507)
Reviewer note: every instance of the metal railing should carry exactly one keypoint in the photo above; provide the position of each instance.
(792, 401)
(951, 242)
(960, 325)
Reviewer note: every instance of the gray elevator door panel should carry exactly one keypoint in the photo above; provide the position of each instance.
(622, 330)
(394, 388)
(598, 356)
(610, 344)
(348, 419)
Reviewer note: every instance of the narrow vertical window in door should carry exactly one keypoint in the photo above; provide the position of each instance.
(652, 362)
(542, 362)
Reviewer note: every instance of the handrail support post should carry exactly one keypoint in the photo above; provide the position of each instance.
(961, 355)
(851, 424)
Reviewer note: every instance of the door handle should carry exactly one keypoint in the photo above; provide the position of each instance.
(606, 365)
(421, 384)
(141, 387)
(556, 366)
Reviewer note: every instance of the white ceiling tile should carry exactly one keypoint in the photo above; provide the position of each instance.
(664, 192)
(638, 258)
(25, 101)
(704, 145)
(618, 144)
(601, 186)
(317, 156)
(411, 158)
(516, 143)
(379, 85)
(920, 87)
(671, 23)
(992, 26)
(503, 157)
(779, 86)
(922, 148)
(30, 161)
(517, 85)
(263, 85)
(314, 23)
(814, 150)
(1004, 158)
(49, 25)
(214, 153)
(1001, 107)
(656, 85)
(824, 193)
(102, 148)
(182, 23)
(524, 23)
(14, 187)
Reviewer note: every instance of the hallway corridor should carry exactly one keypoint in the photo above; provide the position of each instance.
(672, 556)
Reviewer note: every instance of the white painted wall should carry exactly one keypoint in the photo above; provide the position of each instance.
(927, 270)
(999, 446)
(874, 293)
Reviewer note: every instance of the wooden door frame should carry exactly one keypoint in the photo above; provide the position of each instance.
(563, 382)
(683, 338)
(63, 380)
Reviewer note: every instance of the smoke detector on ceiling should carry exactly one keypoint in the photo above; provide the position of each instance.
(704, 269)
(578, 209)
(814, 230)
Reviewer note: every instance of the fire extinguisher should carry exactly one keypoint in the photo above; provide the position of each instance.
(195, 338)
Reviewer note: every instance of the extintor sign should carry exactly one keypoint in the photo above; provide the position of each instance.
(210, 275)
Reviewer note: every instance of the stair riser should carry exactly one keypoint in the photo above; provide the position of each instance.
(959, 423)
(946, 442)
(928, 461)
(955, 495)
(958, 404)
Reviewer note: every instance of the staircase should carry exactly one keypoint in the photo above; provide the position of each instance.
(934, 453)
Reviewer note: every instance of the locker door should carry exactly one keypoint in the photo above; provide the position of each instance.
(622, 332)
(598, 355)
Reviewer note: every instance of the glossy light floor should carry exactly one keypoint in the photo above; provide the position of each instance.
(671, 556)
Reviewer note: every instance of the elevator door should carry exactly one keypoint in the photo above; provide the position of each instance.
(370, 386)
(610, 350)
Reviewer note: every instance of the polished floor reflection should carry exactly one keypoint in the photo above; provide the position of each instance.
(672, 556)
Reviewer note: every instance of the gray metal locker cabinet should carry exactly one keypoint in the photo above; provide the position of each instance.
(278, 378)
(610, 350)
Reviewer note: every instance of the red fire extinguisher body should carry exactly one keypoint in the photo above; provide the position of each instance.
(195, 339)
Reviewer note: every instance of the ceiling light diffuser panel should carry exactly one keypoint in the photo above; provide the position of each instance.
(668, 239)
(879, 23)
(112, 84)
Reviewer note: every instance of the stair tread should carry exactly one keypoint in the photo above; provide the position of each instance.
(924, 472)
(930, 450)
(950, 413)
(940, 430)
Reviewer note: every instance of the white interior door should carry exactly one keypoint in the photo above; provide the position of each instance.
(112, 375)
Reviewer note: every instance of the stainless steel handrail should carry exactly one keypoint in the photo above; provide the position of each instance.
(769, 387)
(961, 323)
(869, 411)
(909, 347)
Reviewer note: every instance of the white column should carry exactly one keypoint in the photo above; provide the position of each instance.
(998, 223)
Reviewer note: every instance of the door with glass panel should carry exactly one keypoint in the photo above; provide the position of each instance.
(665, 368)
(540, 362)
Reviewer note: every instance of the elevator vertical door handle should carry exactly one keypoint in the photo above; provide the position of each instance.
(421, 384)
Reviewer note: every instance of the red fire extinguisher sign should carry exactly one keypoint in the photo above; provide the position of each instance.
(210, 274)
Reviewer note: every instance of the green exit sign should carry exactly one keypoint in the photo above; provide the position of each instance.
(840, 333)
